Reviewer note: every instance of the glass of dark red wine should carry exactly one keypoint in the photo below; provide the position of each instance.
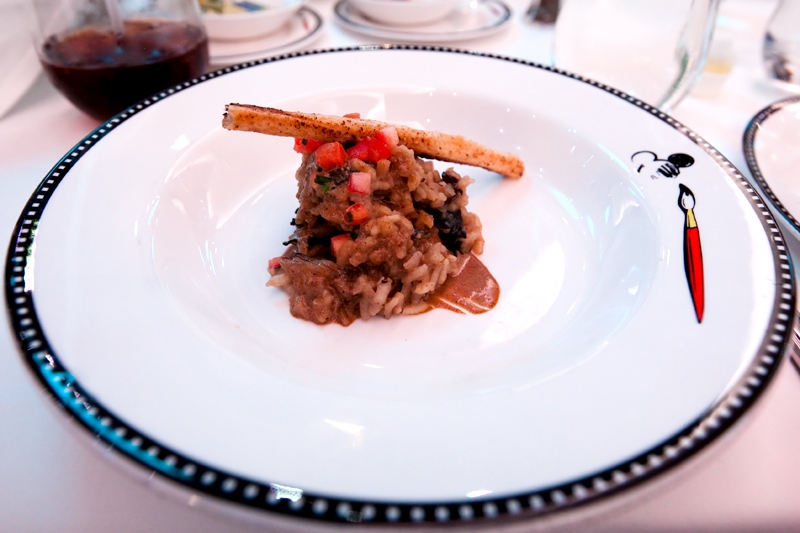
(105, 55)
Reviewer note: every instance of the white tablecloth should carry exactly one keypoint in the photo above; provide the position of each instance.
(55, 477)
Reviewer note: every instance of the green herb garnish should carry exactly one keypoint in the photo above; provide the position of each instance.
(325, 181)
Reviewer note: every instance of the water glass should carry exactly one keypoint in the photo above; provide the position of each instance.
(652, 49)
(782, 43)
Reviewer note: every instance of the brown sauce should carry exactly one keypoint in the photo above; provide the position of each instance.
(473, 290)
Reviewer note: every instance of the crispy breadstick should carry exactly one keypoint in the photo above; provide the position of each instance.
(328, 128)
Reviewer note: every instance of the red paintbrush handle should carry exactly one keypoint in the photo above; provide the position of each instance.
(693, 262)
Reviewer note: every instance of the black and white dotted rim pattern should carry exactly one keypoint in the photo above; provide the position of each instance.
(294, 501)
(748, 144)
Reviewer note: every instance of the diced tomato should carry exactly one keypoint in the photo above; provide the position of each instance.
(359, 182)
(389, 136)
(331, 155)
(379, 150)
(338, 241)
(356, 214)
(274, 263)
(306, 146)
(370, 150)
(352, 115)
(359, 151)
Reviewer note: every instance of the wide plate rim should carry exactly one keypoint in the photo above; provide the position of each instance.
(148, 453)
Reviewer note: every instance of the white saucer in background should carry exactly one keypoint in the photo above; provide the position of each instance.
(770, 146)
(470, 21)
(301, 29)
(248, 25)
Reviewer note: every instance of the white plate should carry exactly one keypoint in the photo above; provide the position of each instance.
(299, 31)
(248, 25)
(470, 21)
(770, 146)
(406, 12)
(149, 320)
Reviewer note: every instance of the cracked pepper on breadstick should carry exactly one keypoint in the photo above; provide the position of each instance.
(327, 128)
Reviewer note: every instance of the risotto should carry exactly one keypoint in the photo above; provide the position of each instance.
(377, 232)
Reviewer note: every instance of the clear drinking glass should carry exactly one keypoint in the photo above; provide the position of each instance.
(782, 43)
(105, 55)
(652, 49)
